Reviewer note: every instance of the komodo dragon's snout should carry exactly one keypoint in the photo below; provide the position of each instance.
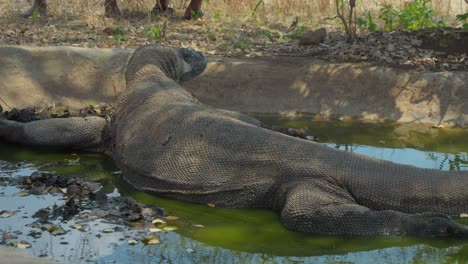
(179, 64)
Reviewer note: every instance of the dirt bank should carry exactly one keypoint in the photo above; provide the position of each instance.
(15, 256)
(273, 85)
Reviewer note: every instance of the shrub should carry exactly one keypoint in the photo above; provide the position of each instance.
(463, 18)
(155, 34)
(416, 15)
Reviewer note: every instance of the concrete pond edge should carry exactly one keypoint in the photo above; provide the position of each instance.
(268, 86)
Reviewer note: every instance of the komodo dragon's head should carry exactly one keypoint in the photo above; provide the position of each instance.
(179, 64)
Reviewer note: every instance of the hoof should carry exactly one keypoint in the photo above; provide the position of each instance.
(113, 13)
(158, 11)
(41, 11)
(192, 14)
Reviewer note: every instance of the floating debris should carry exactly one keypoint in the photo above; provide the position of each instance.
(199, 226)
(76, 226)
(13, 244)
(158, 221)
(108, 230)
(23, 193)
(171, 217)
(463, 215)
(152, 239)
(211, 205)
(73, 162)
(57, 231)
(5, 214)
(132, 242)
(155, 230)
(35, 234)
(23, 244)
(169, 228)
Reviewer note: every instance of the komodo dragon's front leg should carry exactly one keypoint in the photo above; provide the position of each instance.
(75, 132)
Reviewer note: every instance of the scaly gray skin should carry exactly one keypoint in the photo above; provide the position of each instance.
(167, 142)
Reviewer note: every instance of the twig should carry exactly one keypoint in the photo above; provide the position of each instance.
(5, 103)
(339, 14)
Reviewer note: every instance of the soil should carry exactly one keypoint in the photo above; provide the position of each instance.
(442, 49)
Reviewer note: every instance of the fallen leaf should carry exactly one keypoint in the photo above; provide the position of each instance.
(132, 242)
(152, 239)
(171, 217)
(5, 214)
(169, 228)
(108, 230)
(155, 230)
(76, 226)
(22, 193)
(24, 244)
(158, 221)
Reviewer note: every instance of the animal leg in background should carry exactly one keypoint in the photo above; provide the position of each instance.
(111, 9)
(39, 6)
(193, 10)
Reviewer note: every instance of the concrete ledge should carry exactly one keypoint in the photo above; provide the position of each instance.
(15, 256)
(278, 85)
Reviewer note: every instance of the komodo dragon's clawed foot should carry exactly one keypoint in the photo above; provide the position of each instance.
(439, 225)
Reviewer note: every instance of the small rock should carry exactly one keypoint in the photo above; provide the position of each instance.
(313, 37)
(73, 189)
(416, 42)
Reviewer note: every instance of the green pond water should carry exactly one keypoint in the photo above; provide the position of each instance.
(248, 235)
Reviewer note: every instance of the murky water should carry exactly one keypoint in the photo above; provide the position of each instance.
(238, 235)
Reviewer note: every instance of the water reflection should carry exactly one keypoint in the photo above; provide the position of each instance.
(423, 159)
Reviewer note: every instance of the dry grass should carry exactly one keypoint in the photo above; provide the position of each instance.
(229, 28)
(236, 10)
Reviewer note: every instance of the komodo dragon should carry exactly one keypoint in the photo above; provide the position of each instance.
(167, 142)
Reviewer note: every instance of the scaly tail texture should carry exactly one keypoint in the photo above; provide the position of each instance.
(78, 133)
